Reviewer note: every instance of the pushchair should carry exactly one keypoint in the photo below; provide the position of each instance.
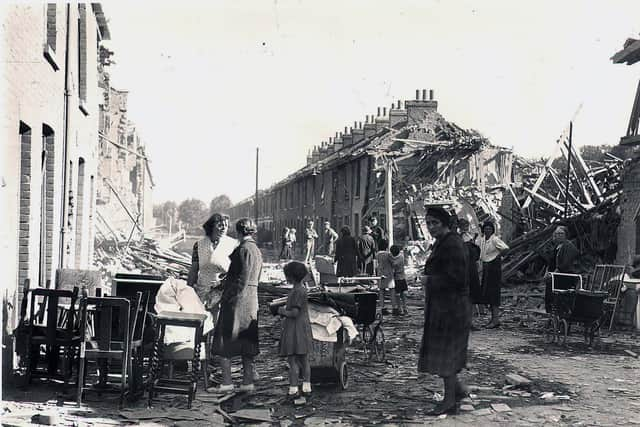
(570, 303)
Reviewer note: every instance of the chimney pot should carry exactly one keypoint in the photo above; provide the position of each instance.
(378, 111)
(424, 94)
(417, 94)
(355, 125)
(336, 134)
(366, 118)
(384, 111)
(351, 130)
(340, 134)
(360, 125)
(399, 105)
(345, 130)
(330, 140)
(431, 94)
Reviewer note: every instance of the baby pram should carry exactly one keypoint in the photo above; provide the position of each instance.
(572, 304)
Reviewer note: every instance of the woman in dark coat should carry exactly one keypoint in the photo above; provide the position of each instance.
(346, 254)
(447, 310)
(236, 333)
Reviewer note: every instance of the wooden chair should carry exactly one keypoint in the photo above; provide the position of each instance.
(139, 312)
(55, 326)
(110, 340)
(608, 278)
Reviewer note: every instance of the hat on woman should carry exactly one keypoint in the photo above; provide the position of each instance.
(489, 223)
(440, 214)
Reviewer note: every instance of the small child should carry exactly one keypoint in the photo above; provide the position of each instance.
(295, 341)
(385, 269)
(397, 262)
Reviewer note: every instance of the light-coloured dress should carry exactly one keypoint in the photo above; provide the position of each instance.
(213, 260)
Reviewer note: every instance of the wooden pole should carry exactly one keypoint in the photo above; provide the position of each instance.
(567, 187)
(256, 198)
(388, 199)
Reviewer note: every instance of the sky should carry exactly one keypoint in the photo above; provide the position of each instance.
(211, 81)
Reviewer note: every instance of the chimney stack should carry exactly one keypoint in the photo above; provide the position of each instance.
(417, 109)
(369, 126)
(397, 115)
(357, 134)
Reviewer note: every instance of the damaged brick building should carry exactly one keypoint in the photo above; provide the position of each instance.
(125, 183)
(50, 158)
(344, 179)
(629, 229)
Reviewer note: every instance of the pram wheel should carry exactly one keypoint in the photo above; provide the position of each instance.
(563, 331)
(367, 340)
(378, 344)
(343, 375)
(551, 330)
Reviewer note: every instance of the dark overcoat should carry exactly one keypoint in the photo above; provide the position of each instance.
(236, 332)
(346, 256)
(447, 308)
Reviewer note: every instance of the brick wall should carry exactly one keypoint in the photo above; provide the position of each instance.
(628, 228)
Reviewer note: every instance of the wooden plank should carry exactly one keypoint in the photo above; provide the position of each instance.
(545, 200)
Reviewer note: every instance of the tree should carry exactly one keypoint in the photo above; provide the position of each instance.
(192, 212)
(165, 210)
(220, 204)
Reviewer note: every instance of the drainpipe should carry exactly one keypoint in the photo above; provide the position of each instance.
(65, 144)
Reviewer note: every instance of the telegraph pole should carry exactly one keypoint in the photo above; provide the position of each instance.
(255, 205)
(388, 199)
(566, 196)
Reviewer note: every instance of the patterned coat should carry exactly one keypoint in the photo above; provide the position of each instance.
(447, 308)
(236, 333)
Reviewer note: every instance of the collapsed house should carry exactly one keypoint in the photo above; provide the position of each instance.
(344, 180)
(124, 206)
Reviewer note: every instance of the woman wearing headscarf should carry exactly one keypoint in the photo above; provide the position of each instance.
(236, 333)
(346, 254)
(210, 260)
(447, 316)
(564, 260)
(491, 248)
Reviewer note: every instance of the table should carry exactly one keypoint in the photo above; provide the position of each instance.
(158, 384)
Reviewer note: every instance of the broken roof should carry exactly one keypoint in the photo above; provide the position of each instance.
(630, 53)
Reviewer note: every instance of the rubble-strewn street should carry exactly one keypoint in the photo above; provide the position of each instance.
(571, 385)
(301, 213)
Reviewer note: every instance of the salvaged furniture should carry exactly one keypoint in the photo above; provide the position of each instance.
(608, 278)
(108, 331)
(156, 382)
(52, 325)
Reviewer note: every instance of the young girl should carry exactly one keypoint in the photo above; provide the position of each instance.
(385, 269)
(397, 262)
(295, 342)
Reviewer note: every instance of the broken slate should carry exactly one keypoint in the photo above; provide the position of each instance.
(501, 407)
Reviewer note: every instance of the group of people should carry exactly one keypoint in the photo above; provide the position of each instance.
(460, 270)
(288, 241)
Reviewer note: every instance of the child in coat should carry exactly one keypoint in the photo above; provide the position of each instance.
(295, 341)
(399, 277)
(385, 269)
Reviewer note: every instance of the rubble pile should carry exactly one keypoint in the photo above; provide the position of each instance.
(147, 256)
(590, 210)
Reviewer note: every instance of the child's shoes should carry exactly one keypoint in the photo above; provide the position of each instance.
(306, 389)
